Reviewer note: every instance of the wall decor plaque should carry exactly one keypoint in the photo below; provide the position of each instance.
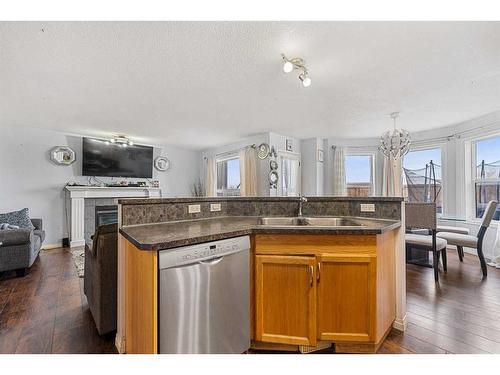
(62, 155)
(162, 163)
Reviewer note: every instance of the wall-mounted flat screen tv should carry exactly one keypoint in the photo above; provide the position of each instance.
(103, 158)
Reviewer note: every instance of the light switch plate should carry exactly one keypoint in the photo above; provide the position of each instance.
(367, 207)
(215, 207)
(194, 208)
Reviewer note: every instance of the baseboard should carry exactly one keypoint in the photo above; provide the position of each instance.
(120, 344)
(77, 243)
(51, 246)
(400, 324)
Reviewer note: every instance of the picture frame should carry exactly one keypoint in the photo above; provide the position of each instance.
(289, 145)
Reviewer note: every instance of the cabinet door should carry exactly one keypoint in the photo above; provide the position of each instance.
(346, 297)
(285, 288)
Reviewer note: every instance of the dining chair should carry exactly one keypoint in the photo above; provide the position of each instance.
(473, 242)
(422, 216)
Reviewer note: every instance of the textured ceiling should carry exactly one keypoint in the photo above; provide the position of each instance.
(200, 84)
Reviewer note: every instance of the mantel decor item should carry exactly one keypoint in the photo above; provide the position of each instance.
(162, 163)
(395, 143)
(288, 145)
(62, 155)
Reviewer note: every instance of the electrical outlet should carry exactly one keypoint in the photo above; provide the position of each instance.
(215, 207)
(367, 207)
(194, 208)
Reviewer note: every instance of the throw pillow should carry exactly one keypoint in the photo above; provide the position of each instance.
(20, 218)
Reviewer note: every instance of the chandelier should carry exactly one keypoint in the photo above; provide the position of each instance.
(395, 143)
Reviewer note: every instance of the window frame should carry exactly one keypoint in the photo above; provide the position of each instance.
(372, 155)
(431, 145)
(471, 204)
(283, 154)
(226, 156)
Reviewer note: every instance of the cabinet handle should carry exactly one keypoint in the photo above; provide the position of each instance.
(319, 271)
(311, 271)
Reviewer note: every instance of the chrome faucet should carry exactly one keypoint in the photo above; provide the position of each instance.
(302, 200)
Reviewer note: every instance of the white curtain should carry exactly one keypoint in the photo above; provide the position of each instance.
(392, 185)
(248, 172)
(495, 261)
(339, 184)
(210, 177)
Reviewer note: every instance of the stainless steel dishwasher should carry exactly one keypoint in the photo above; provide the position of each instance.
(204, 296)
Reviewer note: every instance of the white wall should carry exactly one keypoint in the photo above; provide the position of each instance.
(456, 157)
(263, 168)
(312, 169)
(262, 165)
(29, 179)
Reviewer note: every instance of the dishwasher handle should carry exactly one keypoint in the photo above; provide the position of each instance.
(211, 261)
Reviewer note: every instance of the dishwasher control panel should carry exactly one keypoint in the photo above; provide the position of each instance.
(205, 251)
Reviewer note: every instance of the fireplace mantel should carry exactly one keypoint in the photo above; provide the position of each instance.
(77, 195)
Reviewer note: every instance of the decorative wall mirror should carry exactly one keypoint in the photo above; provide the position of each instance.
(263, 151)
(162, 163)
(273, 179)
(273, 165)
(62, 155)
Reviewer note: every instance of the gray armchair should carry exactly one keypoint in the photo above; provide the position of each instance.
(19, 248)
(473, 242)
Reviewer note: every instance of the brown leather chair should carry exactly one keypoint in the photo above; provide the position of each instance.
(100, 277)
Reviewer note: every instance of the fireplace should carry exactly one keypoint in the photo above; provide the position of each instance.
(106, 215)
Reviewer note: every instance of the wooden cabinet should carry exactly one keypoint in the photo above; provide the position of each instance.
(311, 288)
(346, 297)
(285, 299)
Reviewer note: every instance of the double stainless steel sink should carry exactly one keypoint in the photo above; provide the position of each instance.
(310, 221)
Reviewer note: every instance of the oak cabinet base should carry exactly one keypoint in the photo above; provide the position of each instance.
(317, 289)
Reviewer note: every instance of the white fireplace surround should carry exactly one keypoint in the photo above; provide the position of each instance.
(77, 195)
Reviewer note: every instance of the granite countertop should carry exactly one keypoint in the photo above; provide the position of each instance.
(190, 232)
(255, 199)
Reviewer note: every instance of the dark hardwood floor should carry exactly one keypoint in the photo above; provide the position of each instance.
(47, 312)
(461, 314)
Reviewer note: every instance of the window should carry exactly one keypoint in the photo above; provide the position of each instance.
(487, 174)
(359, 175)
(228, 175)
(289, 181)
(422, 180)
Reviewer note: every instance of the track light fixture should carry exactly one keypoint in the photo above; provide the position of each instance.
(289, 65)
(122, 140)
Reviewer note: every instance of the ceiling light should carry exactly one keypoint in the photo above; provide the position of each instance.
(297, 63)
(287, 67)
(122, 140)
(395, 143)
(306, 81)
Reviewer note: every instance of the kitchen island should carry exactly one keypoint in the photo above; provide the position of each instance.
(334, 273)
